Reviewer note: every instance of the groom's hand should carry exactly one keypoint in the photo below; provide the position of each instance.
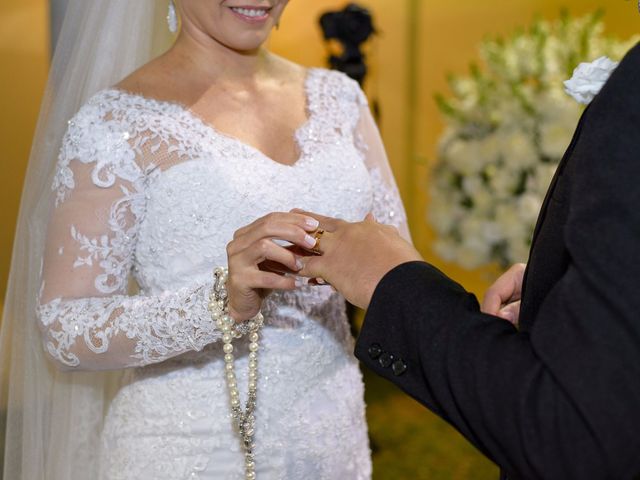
(355, 256)
(503, 297)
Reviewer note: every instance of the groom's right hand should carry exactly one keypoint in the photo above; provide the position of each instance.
(356, 256)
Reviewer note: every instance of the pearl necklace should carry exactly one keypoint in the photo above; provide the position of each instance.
(243, 418)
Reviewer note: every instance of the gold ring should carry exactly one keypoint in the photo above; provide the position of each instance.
(317, 235)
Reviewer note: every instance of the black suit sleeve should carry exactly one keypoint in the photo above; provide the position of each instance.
(561, 401)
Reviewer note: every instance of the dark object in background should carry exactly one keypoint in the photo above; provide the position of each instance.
(351, 27)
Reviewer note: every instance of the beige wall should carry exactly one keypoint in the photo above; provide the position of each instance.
(447, 36)
(24, 51)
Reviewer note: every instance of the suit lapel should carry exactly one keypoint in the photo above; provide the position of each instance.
(554, 182)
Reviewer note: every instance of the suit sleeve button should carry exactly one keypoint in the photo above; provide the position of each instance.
(399, 367)
(386, 359)
(375, 350)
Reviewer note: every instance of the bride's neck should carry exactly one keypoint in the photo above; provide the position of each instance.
(217, 62)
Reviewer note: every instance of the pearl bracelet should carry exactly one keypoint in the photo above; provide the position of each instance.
(243, 418)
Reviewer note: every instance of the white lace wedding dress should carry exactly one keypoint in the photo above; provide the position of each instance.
(147, 191)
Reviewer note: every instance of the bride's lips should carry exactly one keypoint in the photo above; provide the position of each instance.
(251, 14)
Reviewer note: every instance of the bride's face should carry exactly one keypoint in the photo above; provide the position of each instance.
(242, 25)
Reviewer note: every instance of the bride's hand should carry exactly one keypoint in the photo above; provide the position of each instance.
(258, 265)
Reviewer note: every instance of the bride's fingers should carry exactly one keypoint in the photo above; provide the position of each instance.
(271, 281)
(273, 267)
(325, 243)
(326, 223)
(266, 249)
(305, 222)
(272, 230)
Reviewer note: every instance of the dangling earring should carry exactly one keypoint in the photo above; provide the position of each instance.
(172, 17)
(278, 23)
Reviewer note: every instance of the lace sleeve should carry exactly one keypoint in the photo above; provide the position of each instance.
(87, 319)
(387, 204)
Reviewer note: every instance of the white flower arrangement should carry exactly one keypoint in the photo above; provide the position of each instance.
(508, 125)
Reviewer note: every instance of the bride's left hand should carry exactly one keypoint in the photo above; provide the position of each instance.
(258, 265)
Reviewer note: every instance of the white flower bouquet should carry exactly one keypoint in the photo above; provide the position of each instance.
(508, 125)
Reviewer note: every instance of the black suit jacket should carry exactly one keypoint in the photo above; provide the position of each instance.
(559, 398)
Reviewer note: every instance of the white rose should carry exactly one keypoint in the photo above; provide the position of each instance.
(540, 181)
(519, 150)
(443, 215)
(503, 181)
(490, 149)
(518, 251)
(471, 227)
(589, 78)
(492, 233)
(509, 222)
(558, 119)
(463, 156)
(483, 201)
(472, 184)
(471, 255)
(555, 137)
(529, 207)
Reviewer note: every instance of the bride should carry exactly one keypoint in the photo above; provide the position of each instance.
(191, 162)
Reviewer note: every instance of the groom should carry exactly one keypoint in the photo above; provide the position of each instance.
(559, 397)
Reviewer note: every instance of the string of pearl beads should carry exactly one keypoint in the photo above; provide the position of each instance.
(243, 418)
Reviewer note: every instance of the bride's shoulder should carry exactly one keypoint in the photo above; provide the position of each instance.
(154, 80)
(319, 80)
(337, 85)
(123, 103)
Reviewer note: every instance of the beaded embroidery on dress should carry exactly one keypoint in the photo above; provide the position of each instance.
(148, 192)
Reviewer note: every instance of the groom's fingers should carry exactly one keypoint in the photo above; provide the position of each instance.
(505, 290)
(491, 303)
(326, 223)
(510, 312)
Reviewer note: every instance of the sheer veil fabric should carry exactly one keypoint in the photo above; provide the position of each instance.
(53, 418)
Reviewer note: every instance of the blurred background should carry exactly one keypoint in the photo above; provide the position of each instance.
(470, 104)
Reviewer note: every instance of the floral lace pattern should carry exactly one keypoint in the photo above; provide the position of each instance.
(97, 320)
(147, 190)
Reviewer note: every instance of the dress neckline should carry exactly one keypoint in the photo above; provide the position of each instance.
(298, 133)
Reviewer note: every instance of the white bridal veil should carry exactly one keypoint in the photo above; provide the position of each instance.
(54, 418)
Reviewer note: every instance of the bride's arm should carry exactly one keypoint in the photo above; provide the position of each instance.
(387, 204)
(87, 319)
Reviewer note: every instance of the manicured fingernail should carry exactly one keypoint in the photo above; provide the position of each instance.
(312, 223)
(299, 264)
(320, 281)
(309, 241)
(302, 282)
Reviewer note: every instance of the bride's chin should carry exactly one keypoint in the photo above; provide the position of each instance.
(246, 42)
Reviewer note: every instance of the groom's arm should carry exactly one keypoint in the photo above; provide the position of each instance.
(426, 334)
(561, 401)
